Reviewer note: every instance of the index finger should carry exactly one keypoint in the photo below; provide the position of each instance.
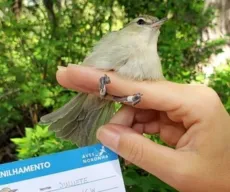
(158, 95)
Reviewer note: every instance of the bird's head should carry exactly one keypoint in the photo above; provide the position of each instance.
(146, 26)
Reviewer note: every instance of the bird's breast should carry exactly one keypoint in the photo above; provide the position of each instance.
(142, 64)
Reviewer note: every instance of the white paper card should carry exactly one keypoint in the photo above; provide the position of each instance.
(88, 169)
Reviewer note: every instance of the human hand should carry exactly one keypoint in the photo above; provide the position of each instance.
(189, 117)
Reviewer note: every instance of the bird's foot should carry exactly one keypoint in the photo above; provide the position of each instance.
(133, 99)
(103, 81)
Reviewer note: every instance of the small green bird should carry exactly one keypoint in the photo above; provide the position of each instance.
(132, 53)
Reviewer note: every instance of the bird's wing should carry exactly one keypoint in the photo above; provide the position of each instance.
(112, 51)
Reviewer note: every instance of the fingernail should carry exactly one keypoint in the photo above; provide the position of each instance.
(109, 137)
(61, 68)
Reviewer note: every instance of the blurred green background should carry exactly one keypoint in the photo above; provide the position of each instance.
(37, 36)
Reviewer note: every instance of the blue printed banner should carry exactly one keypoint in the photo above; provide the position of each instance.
(55, 163)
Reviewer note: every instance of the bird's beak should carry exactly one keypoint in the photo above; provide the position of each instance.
(159, 23)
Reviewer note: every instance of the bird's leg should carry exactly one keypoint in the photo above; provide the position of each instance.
(103, 81)
(133, 99)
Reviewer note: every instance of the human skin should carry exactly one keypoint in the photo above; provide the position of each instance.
(189, 117)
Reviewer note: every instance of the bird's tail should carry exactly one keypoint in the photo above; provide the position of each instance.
(78, 120)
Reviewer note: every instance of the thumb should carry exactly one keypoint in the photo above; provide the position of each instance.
(159, 160)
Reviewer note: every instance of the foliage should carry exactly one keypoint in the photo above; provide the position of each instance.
(137, 181)
(36, 39)
(39, 141)
(220, 82)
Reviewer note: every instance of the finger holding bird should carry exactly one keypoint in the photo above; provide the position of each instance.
(85, 79)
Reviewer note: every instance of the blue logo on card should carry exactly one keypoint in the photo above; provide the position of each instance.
(96, 156)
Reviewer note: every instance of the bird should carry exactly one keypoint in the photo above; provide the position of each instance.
(132, 53)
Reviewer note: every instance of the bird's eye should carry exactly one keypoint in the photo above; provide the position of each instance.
(140, 22)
